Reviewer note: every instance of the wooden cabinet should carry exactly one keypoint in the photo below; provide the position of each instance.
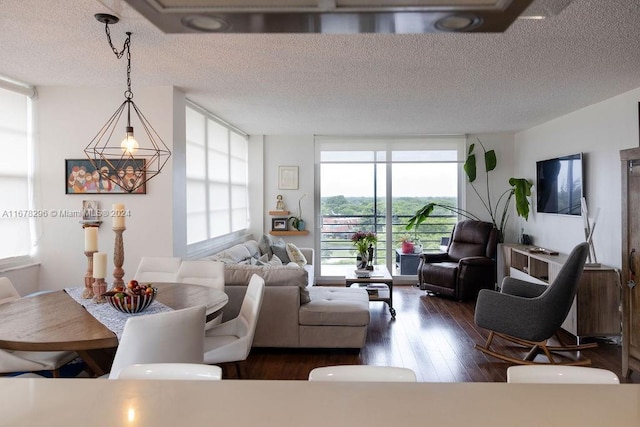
(596, 308)
(630, 168)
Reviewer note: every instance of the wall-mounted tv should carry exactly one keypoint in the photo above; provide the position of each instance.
(560, 185)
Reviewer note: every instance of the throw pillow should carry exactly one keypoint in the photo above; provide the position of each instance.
(295, 255)
(263, 260)
(275, 261)
(265, 245)
(279, 248)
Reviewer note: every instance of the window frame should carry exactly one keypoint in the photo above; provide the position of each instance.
(387, 144)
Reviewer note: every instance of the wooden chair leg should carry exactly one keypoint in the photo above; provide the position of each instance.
(535, 347)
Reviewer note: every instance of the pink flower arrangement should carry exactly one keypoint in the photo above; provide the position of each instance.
(362, 240)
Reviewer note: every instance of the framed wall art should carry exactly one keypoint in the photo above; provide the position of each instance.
(279, 224)
(81, 177)
(287, 177)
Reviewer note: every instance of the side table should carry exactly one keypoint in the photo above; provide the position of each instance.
(379, 285)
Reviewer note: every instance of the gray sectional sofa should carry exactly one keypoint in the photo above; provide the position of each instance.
(294, 313)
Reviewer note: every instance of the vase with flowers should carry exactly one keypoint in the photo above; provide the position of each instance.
(364, 241)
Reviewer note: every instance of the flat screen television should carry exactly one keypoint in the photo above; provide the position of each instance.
(559, 185)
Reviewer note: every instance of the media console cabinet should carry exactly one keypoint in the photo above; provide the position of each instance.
(596, 309)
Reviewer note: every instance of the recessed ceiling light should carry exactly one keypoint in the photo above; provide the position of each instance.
(458, 23)
(205, 23)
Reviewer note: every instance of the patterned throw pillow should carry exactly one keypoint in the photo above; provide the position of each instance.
(295, 255)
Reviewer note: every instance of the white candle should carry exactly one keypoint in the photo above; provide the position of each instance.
(99, 265)
(118, 215)
(90, 239)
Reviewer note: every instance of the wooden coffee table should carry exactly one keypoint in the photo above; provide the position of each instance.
(379, 285)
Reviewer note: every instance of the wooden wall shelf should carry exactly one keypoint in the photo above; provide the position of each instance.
(289, 233)
(279, 213)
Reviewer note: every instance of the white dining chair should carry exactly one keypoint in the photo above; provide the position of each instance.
(7, 291)
(157, 269)
(231, 341)
(205, 273)
(29, 361)
(168, 337)
(202, 272)
(171, 371)
(556, 374)
(362, 373)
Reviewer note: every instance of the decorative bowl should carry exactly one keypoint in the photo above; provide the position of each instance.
(130, 303)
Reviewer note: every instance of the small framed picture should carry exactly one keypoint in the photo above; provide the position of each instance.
(287, 177)
(279, 224)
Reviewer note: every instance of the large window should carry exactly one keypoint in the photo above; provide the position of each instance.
(217, 183)
(377, 184)
(16, 215)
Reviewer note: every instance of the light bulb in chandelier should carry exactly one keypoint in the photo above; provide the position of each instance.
(129, 144)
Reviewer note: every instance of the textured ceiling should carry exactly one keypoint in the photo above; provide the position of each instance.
(341, 84)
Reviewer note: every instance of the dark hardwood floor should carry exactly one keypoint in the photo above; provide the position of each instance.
(433, 336)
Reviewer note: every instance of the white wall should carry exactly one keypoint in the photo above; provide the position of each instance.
(600, 131)
(290, 150)
(67, 119)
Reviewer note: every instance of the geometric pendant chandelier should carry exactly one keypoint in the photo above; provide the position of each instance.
(126, 158)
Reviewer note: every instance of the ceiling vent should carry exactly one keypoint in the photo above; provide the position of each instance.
(330, 16)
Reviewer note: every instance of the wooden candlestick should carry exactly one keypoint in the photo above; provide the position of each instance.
(99, 288)
(88, 276)
(118, 257)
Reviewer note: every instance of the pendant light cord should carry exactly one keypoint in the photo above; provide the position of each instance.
(126, 48)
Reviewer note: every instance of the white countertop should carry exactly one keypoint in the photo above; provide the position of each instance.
(101, 402)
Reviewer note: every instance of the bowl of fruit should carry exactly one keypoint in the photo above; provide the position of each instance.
(132, 298)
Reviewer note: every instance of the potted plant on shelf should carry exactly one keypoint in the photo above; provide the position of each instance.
(519, 188)
(296, 221)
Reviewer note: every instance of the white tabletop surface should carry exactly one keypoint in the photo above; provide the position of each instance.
(101, 402)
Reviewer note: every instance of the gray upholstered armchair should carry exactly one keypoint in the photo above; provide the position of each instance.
(467, 266)
(529, 314)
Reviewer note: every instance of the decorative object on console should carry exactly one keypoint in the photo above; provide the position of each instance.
(589, 227)
(99, 273)
(407, 245)
(362, 241)
(142, 159)
(296, 221)
(520, 188)
(118, 247)
(90, 247)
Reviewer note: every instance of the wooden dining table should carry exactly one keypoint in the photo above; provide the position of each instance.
(53, 321)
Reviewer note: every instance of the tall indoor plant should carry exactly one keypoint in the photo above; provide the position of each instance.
(519, 188)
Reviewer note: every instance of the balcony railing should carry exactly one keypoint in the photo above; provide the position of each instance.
(335, 237)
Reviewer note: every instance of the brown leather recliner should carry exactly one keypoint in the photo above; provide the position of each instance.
(468, 265)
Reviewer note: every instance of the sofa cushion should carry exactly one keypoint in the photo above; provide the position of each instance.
(278, 275)
(253, 248)
(265, 245)
(333, 306)
(295, 255)
(279, 249)
(233, 255)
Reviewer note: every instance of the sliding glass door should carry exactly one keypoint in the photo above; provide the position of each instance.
(374, 184)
